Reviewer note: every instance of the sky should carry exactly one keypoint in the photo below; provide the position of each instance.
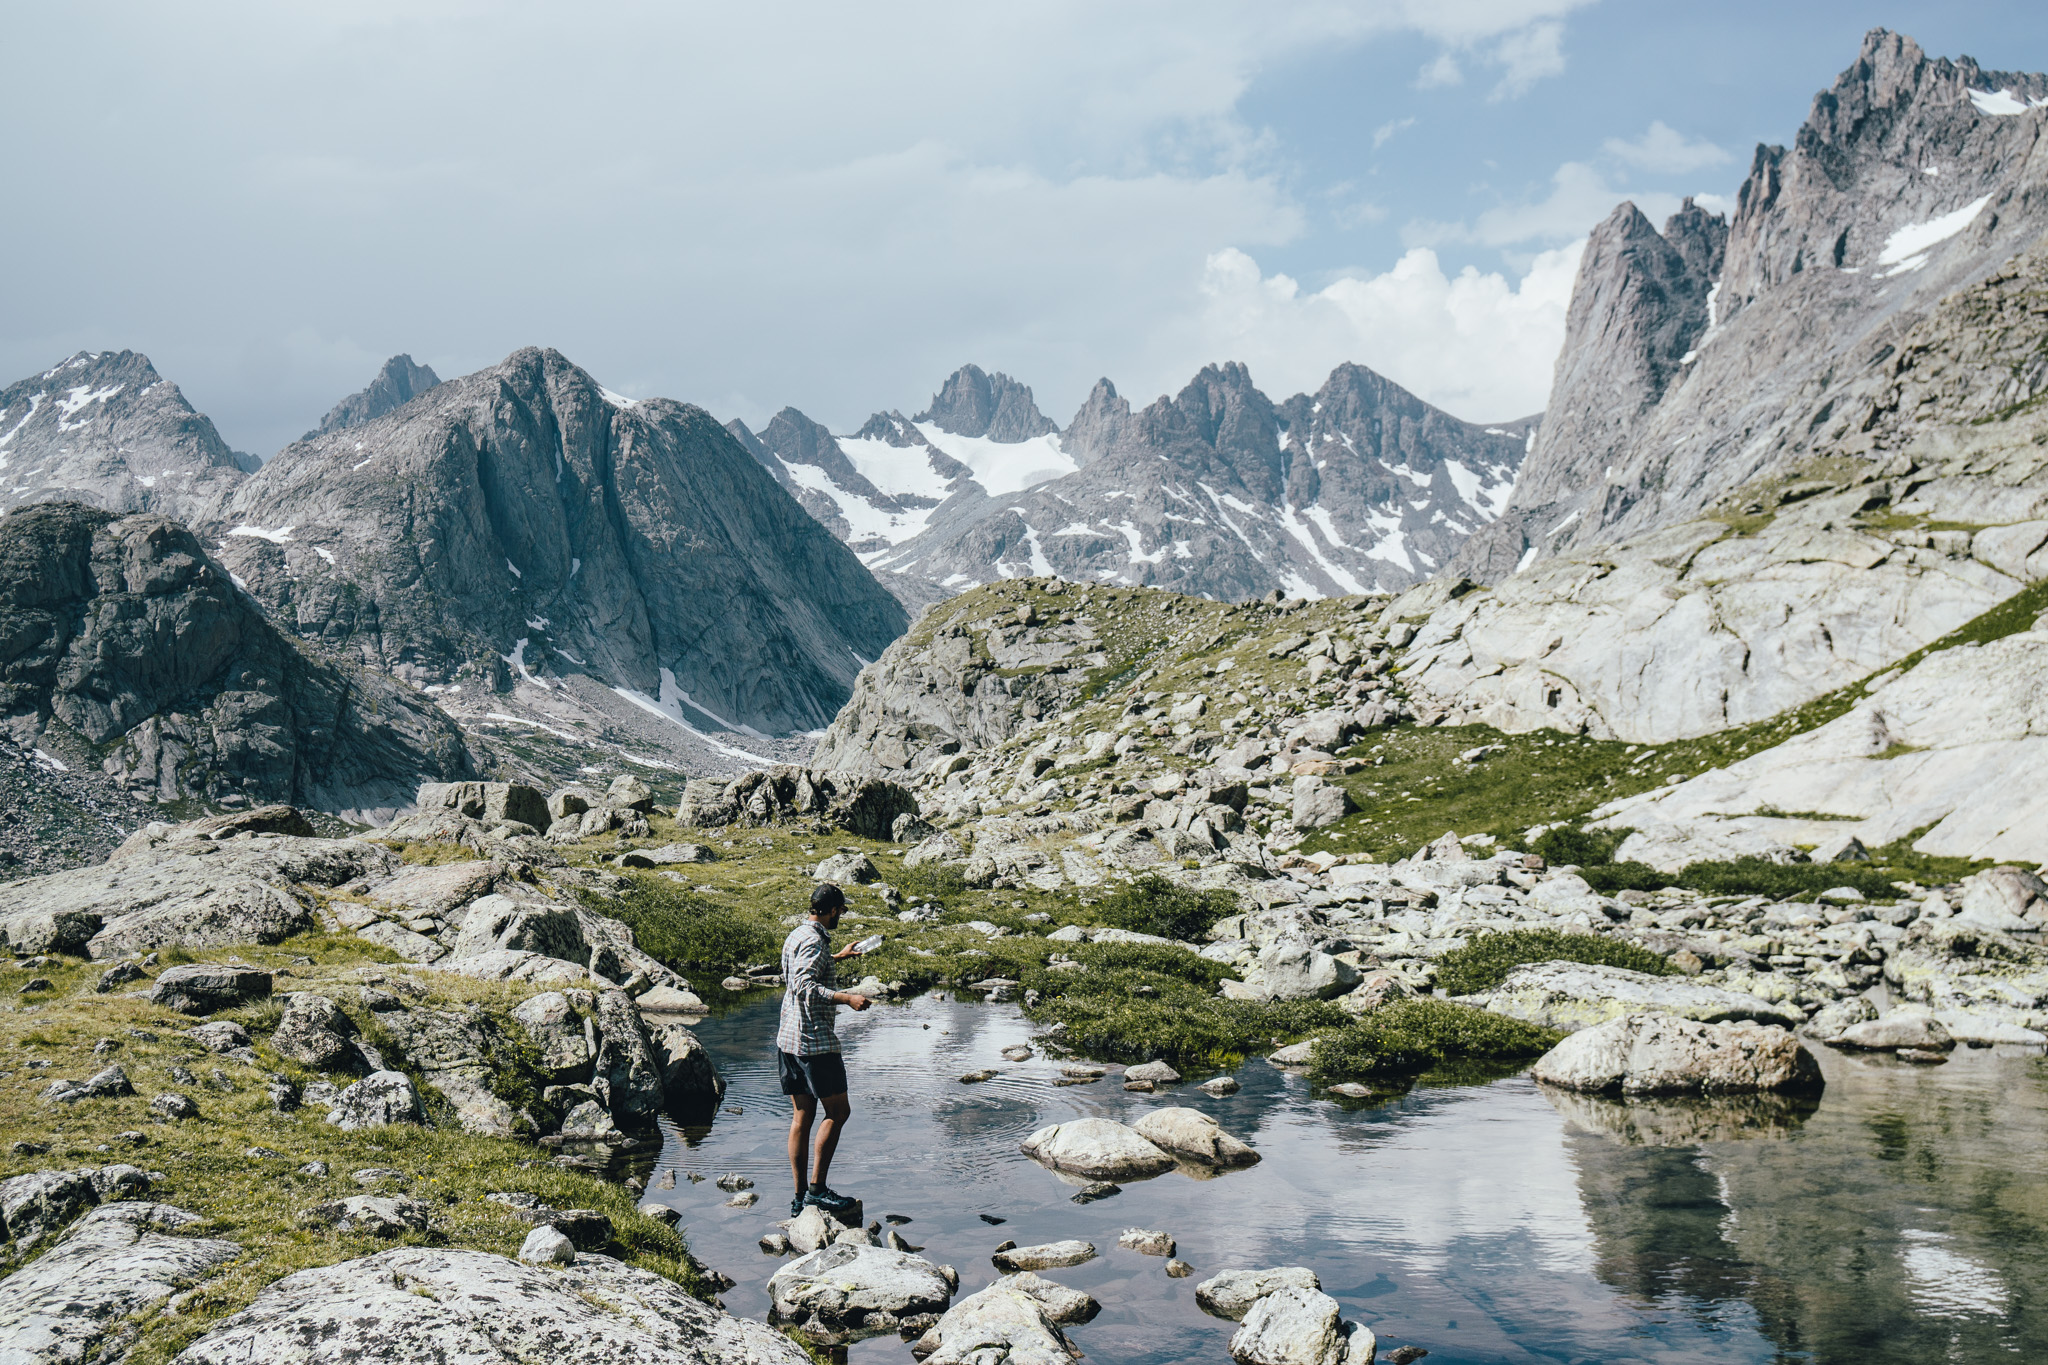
(832, 206)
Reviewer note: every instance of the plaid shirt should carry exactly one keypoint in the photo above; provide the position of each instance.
(808, 973)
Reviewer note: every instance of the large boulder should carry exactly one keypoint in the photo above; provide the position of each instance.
(1100, 1149)
(688, 1079)
(1660, 1054)
(72, 1303)
(1577, 995)
(433, 1304)
(1293, 969)
(864, 806)
(1004, 1324)
(380, 1098)
(497, 922)
(847, 1287)
(1895, 1031)
(626, 1074)
(1193, 1136)
(562, 1033)
(1319, 803)
(1296, 1326)
(488, 803)
(373, 1215)
(203, 987)
(41, 1203)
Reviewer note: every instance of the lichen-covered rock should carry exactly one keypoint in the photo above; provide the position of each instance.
(203, 987)
(1045, 1256)
(1231, 1293)
(565, 1039)
(1296, 1326)
(41, 1203)
(460, 1305)
(76, 1302)
(314, 1032)
(864, 806)
(1193, 1136)
(626, 1074)
(844, 1287)
(1577, 995)
(380, 1098)
(1660, 1054)
(1100, 1149)
(1895, 1031)
(1004, 1324)
(373, 1214)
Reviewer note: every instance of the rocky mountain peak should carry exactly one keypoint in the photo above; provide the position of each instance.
(397, 383)
(104, 428)
(973, 402)
(1103, 421)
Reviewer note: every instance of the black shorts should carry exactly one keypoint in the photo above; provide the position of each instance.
(822, 1074)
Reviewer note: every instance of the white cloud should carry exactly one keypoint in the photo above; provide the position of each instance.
(1474, 344)
(1441, 72)
(1385, 132)
(1663, 148)
(1528, 56)
(1580, 196)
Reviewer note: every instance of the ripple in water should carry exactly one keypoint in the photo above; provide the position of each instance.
(1900, 1221)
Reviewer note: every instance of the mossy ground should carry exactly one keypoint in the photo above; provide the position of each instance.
(256, 1201)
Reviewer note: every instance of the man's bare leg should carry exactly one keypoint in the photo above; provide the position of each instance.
(805, 1109)
(837, 1110)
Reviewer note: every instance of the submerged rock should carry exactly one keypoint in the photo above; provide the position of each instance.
(1101, 1149)
(1045, 1256)
(1655, 1054)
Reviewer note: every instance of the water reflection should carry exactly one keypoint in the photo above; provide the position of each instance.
(1898, 1218)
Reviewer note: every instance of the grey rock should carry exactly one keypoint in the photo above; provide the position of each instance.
(397, 383)
(973, 402)
(1045, 1256)
(558, 1030)
(1145, 1242)
(689, 1081)
(1659, 1054)
(626, 1073)
(381, 1098)
(1193, 1136)
(1100, 1149)
(76, 1302)
(1295, 1326)
(847, 867)
(1004, 1322)
(203, 987)
(173, 1106)
(1319, 803)
(545, 1246)
(1293, 969)
(470, 1305)
(1159, 1073)
(1572, 996)
(1231, 1293)
(314, 1032)
(1895, 1031)
(42, 1203)
(840, 1286)
(859, 804)
(377, 1215)
(221, 1035)
(1832, 1019)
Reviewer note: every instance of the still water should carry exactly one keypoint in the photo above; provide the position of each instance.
(1904, 1219)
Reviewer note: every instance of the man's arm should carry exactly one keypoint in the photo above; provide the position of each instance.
(810, 961)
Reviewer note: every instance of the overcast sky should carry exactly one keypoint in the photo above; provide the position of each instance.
(832, 205)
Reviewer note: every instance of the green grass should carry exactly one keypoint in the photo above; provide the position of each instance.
(1486, 961)
(1404, 1038)
(1154, 905)
(688, 932)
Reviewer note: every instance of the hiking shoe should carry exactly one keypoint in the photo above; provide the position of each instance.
(822, 1196)
(796, 1206)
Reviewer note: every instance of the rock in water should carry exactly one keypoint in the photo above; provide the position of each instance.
(470, 1305)
(1896, 1031)
(145, 648)
(110, 1264)
(1295, 1326)
(1046, 1256)
(841, 1286)
(1658, 1054)
(1100, 1149)
(1231, 1293)
(1145, 1242)
(1193, 1135)
(1003, 1323)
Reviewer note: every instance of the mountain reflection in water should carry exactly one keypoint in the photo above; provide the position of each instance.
(1903, 1217)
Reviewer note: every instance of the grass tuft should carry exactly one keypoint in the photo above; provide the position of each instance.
(1486, 961)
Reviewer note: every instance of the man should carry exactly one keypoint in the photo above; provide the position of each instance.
(807, 1049)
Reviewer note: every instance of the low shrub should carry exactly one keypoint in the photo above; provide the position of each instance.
(1486, 961)
(1577, 846)
(683, 931)
(1608, 878)
(934, 881)
(1783, 881)
(1154, 905)
(1179, 1024)
(1405, 1037)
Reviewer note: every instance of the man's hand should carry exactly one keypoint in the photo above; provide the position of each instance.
(850, 950)
(856, 1003)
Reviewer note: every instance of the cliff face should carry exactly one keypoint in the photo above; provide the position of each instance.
(521, 521)
(128, 648)
(1692, 367)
